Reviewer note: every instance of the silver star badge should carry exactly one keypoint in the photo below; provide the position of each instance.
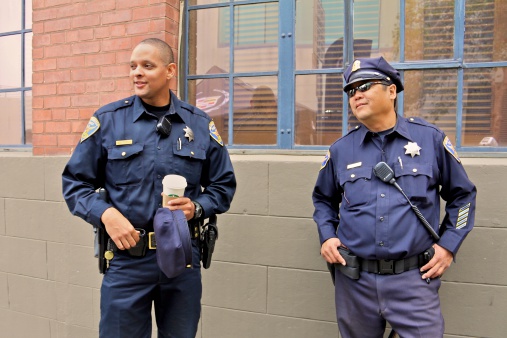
(412, 148)
(188, 133)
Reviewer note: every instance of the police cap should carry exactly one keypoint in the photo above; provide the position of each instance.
(371, 69)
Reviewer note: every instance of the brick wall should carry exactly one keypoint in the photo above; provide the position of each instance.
(81, 51)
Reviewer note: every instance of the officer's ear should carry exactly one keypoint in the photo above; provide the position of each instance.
(171, 70)
(392, 91)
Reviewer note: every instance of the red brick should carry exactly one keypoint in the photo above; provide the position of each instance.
(56, 25)
(107, 98)
(100, 6)
(37, 102)
(70, 62)
(71, 114)
(100, 59)
(124, 84)
(86, 34)
(72, 10)
(86, 113)
(102, 32)
(43, 64)
(44, 140)
(155, 11)
(85, 74)
(57, 76)
(57, 114)
(37, 53)
(72, 36)
(90, 100)
(123, 56)
(50, 3)
(117, 44)
(57, 101)
(86, 47)
(57, 51)
(142, 27)
(44, 89)
(37, 78)
(159, 25)
(114, 71)
(37, 127)
(69, 140)
(36, 4)
(173, 13)
(57, 127)
(41, 40)
(58, 38)
(53, 151)
(71, 88)
(44, 14)
(117, 16)
(78, 126)
(37, 28)
(100, 86)
(37, 151)
(118, 30)
(132, 3)
(86, 21)
(41, 115)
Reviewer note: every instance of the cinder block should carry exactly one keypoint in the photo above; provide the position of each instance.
(19, 325)
(224, 323)
(22, 177)
(290, 188)
(23, 256)
(235, 286)
(53, 168)
(4, 293)
(301, 294)
(96, 307)
(474, 310)
(73, 264)
(273, 241)
(59, 329)
(33, 296)
(480, 258)
(75, 305)
(252, 188)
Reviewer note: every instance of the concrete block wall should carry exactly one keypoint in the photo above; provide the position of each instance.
(267, 279)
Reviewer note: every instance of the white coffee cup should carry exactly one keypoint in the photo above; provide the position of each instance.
(173, 186)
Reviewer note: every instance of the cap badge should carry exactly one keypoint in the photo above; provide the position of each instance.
(355, 66)
(188, 133)
(412, 149)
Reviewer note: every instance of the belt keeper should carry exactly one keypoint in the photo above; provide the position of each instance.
(152, 241)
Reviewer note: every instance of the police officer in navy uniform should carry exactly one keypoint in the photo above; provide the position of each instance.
(375, 226)
(127, 148)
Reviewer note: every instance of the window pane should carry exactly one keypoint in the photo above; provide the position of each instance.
(318, 109)
(376, 29)
(212, 96)
(485, 107)
(10, 16)
(28, 14)
(255, 110)
(431, 94)
(485, 27)
(319, 34)
(28, 117)
(10, 118)
(10, 58)
(429, 29)
(209, 41)
(256, 38)
(28, 59)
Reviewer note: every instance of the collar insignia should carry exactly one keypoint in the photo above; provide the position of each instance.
(188, 133)
(412, 149)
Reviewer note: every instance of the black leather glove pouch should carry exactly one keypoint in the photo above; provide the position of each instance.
(353, 268)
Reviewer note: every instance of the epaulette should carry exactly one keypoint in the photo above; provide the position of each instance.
(113, 106)
(422, 122)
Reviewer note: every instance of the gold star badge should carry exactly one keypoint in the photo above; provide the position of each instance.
(412, 148)
(188, 133)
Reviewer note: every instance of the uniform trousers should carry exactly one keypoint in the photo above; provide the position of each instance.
(132, 284)
(405, 301)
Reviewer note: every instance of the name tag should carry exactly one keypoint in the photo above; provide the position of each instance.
(123, 142)
(354, 165)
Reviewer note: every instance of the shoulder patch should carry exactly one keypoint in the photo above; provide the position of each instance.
(450, 149)
(326, 159)
(92, 126)
(213, 132)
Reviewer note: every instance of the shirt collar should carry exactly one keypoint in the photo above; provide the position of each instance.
(400, 127)
(174, 108)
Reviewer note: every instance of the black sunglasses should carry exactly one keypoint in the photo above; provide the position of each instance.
(363, 88)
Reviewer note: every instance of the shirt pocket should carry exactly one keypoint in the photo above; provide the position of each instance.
(125, 164)
(188, 161)
(356, 185)
(414, 179)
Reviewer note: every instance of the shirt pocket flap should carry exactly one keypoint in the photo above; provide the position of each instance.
(187, 151)
(124, 152)
(413, 169)
(354, 174)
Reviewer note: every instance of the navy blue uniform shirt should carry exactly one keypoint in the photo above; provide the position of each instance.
(122, 152)
(372, 218)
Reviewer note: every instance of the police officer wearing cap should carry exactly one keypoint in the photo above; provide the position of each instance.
(388, 263)
(127, 148)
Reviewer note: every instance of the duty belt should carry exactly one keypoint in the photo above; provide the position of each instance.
(392, 267)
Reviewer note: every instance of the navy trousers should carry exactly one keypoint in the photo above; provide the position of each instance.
(132, 285)
(408, 303)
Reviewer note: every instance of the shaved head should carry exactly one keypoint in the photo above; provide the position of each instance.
(166, 53)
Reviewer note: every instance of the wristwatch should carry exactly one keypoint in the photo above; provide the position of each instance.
(198, 210)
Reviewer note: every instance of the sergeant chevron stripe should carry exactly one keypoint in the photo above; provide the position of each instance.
(463, 216)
